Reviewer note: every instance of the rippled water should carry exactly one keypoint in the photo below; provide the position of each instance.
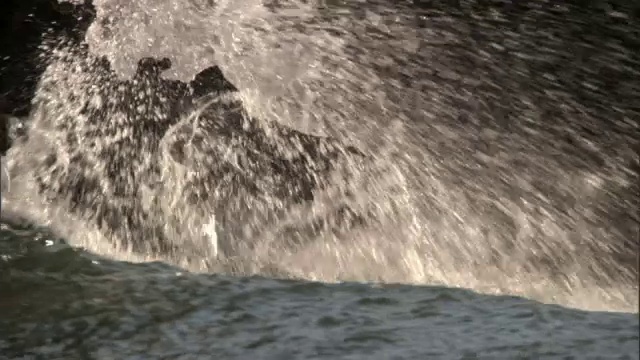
(63, 304)
(496, 157)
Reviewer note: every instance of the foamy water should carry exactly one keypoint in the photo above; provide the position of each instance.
(494, 163)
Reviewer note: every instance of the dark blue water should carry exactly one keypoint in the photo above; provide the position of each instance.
(60, 303)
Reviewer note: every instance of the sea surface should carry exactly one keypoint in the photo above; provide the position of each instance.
(58, 302)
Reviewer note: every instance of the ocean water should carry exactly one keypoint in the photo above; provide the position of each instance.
(497, 190)
(61, 303)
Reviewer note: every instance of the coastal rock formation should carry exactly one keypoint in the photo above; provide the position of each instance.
(26, 28)
(150, 160)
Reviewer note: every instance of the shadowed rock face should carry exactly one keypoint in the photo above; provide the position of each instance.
(24, 26)
(5, 139)
(133, 156)
(111, 171)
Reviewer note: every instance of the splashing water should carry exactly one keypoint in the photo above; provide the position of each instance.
(492, 152)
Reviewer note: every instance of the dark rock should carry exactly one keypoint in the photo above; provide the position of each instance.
(117, 176)
(210, 79)
(128, 152)
(25, 26)
(5, 140)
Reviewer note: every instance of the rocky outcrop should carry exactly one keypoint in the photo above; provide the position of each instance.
(26, 27)
(114, 141)
(5, 140)
(149, 160)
